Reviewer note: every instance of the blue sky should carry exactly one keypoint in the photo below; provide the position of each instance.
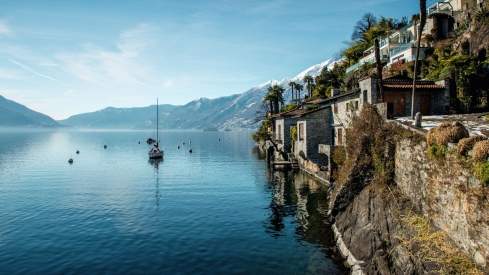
(67, 57)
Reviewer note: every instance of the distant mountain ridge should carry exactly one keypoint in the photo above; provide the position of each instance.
(13, 114)
(243, 110)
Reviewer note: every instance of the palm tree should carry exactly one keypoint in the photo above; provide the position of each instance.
(292, 86)
(278, 93)
(309, 81)
(363, 26)
(269, 97)
(299, 87)
(274, 97)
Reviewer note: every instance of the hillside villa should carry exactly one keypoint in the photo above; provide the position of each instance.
(399, 47)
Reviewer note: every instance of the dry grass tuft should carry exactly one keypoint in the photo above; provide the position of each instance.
(434, 246)
(447, 133)
(481, 150)
(466, 144)
(370, 142)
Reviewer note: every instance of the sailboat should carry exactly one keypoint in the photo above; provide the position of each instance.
(155, 152)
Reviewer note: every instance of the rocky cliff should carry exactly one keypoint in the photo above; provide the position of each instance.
(396, 211)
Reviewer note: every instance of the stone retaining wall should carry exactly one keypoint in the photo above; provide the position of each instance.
(447, 193)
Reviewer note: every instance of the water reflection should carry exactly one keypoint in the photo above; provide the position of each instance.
(156, 165)
(298, 197)
(106, 214)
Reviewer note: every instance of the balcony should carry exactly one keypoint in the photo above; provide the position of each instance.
(440, 7)
(406, 52)
(399, 49)
(366, 61)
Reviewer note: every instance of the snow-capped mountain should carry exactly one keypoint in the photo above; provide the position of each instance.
(244, 110)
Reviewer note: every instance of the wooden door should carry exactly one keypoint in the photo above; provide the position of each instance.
(425, 104)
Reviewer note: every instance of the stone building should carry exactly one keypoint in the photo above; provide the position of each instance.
(430, 98)
(282, 123)
(313, 128)
(322, 123)
(343, 107)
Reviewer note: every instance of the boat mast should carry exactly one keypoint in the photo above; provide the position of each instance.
(157, 122)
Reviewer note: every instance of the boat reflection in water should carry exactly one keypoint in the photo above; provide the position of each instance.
(156, 164)
(301, 203)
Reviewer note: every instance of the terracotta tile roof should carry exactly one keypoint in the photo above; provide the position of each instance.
(401, 82)
(290, 113)
(410, 86)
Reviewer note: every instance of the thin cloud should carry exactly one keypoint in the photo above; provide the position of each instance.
(9, 74)
(30, 69)
(5, 29)
(122, 65)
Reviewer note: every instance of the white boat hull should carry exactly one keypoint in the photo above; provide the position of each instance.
(155, 153)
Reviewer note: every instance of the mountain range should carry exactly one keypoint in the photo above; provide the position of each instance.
(238, 111)
(13, 114)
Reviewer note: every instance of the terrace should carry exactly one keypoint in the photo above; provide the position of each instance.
(440, 7)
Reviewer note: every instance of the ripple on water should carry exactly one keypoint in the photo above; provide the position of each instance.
(213, 211)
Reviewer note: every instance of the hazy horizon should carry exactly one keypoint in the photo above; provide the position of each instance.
(66, 58)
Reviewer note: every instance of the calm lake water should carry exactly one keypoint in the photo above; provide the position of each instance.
(216, 211)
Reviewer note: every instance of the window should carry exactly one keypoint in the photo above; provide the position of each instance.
(340, 136)
(279, 132)
(301, 131)
(335, 108)
(365, 96)
(356, 104)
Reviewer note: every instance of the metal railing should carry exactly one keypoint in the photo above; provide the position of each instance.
(440, 7)
(399, 49)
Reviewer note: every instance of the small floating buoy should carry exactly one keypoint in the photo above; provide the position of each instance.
(77, 152)
(190, 151)
(105, 146)
(219, 139)
(178, 147)
(184, 143)
(70, 161)
(139, 142)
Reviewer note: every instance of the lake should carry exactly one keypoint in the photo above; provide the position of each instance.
(215, 211)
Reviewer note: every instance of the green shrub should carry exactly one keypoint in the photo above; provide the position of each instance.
(436, 151)
(481, 171)
(262, 133)
(289, 107)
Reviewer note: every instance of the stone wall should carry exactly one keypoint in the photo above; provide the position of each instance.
(279, 133)
(447, 193)
(317, 130)
(288, 124)
(313, 169)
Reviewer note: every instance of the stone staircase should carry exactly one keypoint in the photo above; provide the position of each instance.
(294, 164)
